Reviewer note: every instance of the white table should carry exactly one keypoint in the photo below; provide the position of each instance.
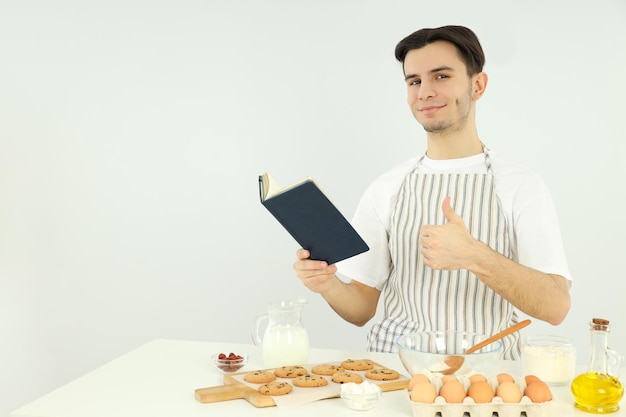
(160, 378)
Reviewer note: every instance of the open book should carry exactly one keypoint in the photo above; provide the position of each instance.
(311, 219)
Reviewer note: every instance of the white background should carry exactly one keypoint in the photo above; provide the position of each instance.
(132, 134)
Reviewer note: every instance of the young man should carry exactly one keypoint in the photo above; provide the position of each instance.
(460, 238)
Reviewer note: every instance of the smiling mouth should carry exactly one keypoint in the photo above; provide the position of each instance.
(427, 111)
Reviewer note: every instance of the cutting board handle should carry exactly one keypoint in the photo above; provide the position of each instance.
(221, 393)
(233, 392)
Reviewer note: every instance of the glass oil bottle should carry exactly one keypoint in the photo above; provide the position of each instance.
(599, 390)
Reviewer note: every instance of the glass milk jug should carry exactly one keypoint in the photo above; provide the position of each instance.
(599, 390)
(285, 341)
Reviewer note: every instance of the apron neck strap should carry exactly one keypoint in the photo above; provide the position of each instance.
(485, 152)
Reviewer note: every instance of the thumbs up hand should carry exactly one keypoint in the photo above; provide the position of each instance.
(451, 216)
(448, 246)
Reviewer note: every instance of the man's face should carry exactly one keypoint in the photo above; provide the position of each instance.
(439, 89)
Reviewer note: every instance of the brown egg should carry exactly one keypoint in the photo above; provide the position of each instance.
(417, 378)
(477, 377)
(509, 392)
(481, 392)
(531, 378)
(423, 392)
(538, 392)
(447, 378)
(453, 392)
(504, 377)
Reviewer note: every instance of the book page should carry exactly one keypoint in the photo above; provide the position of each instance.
(270, 187)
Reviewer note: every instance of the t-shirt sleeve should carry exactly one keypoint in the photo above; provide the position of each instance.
(538, 236)
(372, 267)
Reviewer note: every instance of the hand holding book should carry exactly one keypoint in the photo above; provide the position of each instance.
(311, 219)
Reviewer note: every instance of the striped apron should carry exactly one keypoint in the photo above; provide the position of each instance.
(418, 298)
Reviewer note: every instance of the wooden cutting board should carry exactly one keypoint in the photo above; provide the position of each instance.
(234, 389)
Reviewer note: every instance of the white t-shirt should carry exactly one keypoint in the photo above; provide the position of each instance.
(525, 200)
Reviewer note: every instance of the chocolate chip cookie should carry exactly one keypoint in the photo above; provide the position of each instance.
(310, 381)
(290, 371)
(357, 364)
(382, 374)
(275, 388)
(347, 376)
(259, 377)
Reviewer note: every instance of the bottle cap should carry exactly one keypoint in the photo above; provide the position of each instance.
(599, 324)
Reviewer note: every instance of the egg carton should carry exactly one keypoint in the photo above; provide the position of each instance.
(440, 408)
(469, 407)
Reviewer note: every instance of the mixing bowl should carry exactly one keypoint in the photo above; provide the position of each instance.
(431, 351)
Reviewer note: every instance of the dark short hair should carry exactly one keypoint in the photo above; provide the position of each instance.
(465, 41)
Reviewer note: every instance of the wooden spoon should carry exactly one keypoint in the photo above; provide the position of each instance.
(455, 362)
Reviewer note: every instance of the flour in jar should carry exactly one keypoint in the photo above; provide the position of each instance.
(551, 358)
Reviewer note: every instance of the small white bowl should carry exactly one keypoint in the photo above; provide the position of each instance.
(361, 398)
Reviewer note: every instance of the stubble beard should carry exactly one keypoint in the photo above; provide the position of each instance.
(463, 105)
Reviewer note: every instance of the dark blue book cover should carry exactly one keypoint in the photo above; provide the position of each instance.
(314, 221)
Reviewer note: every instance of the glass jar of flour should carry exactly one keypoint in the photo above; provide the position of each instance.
(551, 358)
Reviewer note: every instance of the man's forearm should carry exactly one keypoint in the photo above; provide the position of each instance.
(354, 302)
(540, 295)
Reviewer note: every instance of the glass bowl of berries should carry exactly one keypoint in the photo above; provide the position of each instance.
(228, 363)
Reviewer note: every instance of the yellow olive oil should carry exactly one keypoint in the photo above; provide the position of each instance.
(597, 393)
